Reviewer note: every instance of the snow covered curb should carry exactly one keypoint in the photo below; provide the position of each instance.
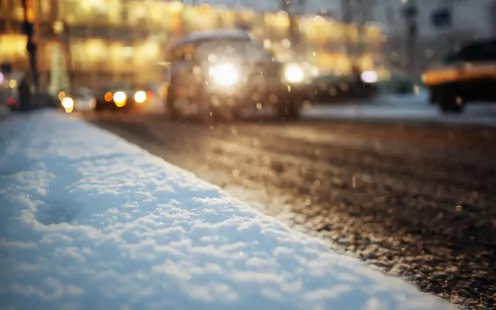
(89, 221)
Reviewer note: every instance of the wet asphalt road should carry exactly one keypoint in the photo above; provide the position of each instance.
(418, 201)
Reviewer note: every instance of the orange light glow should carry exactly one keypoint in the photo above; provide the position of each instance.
(62, 95)
(30, 15)
(108, 97)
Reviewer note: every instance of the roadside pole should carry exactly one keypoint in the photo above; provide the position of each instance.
(360, 25)
(288, 6)
(410, 13)
(365, 10)
(351, 19)
(28, 30)
(347, 19)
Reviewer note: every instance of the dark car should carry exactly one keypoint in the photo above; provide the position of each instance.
(467, 74)
(329, 88)
(227, 74)
(121, 98)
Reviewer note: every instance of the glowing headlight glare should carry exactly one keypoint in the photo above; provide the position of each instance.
(315, 71)
(224, 74)
(140, 96)
(369, 76)
(119, 97)
(68, 103)
(294, 74)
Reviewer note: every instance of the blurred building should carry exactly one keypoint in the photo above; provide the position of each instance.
(110, 41)
(469, 19)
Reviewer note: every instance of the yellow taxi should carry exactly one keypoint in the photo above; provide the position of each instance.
(466, 75)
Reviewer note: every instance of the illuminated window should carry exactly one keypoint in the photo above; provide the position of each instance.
(18, 12)
(45, 8)
(147, 52)
(136, 13)
(12, 45)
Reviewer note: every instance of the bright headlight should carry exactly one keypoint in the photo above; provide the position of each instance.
(294, 74)
(140, 96)
(369, 76)
(120, 98)
(224, 74)
(67, 103)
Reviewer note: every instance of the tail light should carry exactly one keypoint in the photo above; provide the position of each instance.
(12, 102)
(150, 95)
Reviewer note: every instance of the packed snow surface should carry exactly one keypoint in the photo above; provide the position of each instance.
(403, 108)
(89, 221)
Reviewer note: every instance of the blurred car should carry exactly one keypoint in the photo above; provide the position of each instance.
(122, 98)
(147, 99)
(331, 88)
(467, 74)
(226, 74)
(79, 99)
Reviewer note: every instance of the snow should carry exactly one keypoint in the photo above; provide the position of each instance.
(412, 108)
(90, 221)
(4, 110)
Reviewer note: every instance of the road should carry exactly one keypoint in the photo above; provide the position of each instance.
(415, 200)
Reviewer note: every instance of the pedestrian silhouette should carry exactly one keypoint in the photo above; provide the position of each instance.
(24, 90)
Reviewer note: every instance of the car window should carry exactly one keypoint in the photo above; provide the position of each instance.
(241, 49)
(475, 52)
(452, 57)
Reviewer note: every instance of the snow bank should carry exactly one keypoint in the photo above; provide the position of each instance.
(89, 221)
